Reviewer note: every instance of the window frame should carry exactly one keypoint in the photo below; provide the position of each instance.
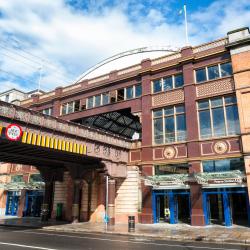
(66, 104)
(163, 116)
(210, 109)
(206, 70)
(162, 83)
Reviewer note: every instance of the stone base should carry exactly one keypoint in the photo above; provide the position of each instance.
(123, 218)
(198, 220)
(146, 218)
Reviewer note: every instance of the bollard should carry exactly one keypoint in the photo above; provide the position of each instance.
(131, 223)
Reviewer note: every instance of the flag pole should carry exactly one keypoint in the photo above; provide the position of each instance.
(186, 25)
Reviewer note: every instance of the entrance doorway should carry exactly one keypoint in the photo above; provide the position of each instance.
(33, 205)
(177, 202)
(226, 206)
(12, 202)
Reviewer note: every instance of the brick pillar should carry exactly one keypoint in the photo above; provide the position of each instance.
(76, 201)
(197, 217)
(146, 215)
(147, 211)
(47, 199)
(111, 201)
(21, 203)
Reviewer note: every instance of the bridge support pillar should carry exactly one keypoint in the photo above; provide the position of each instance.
(111, 201)
(47, 201)
(76, 201)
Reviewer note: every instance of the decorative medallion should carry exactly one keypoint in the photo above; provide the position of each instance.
(220, 147)
(169, 152)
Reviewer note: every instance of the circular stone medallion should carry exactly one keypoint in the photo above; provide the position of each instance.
(220, 147)
(169, 152)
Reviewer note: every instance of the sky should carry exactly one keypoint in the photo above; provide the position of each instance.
(55, 41)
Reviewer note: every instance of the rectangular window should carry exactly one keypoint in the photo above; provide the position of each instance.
(138, 90)
(97, 100)
(90, 102)
(120, 95)
(213, 72)
(226, 69)
(201, 75)
(35, 178)
(218, 117)
(157, 86)
(64, 109)
(167, 83)
(223, 165)
(16, 178)
(178, 81)
(70, 107)
(77, 106)
(129, 92)
(169, 124)
(105, 98)
(181, 168)
(47, 111)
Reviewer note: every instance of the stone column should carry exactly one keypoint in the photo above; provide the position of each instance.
(21, 205)
(47, 200)
(111, 201)
(76, 201)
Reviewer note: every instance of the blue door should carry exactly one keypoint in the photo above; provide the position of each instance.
(162, 199)
(12, 203)
(227, 210)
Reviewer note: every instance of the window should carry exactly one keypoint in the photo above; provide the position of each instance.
(98, 100)
(213, 72)
(201, 75)
(223, 165)
(70, 107)
(182, 168)
(7, 98)
(218, 117)
(138, 90)
(90, 102)
(35, 178)
(168, 83)
(129, 93)
(16, 178)
(169, 124)
(47, 111)
(105, 98)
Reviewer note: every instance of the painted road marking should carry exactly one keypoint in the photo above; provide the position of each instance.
(125, 241)
(25, 246)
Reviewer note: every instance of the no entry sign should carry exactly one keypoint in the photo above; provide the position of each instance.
(13, 132)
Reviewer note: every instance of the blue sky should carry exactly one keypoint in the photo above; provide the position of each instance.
(66, 37)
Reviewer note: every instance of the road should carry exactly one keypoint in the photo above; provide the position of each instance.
(22, 239)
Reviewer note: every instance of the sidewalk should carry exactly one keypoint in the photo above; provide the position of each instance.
(235, 234)
(31, 222)
(180, 232)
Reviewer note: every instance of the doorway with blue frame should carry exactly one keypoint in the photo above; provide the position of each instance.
(226, 206)
(176, 201)
(33, 203)
(12, 203)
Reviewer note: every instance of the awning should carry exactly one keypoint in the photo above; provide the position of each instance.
(160, 181)
(17, 186)
(226, 177)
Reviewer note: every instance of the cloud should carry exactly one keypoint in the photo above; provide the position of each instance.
(73, 35)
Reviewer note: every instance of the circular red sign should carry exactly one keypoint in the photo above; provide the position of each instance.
(13, 132)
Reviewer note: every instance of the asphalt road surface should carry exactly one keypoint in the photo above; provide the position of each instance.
(22, 239)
